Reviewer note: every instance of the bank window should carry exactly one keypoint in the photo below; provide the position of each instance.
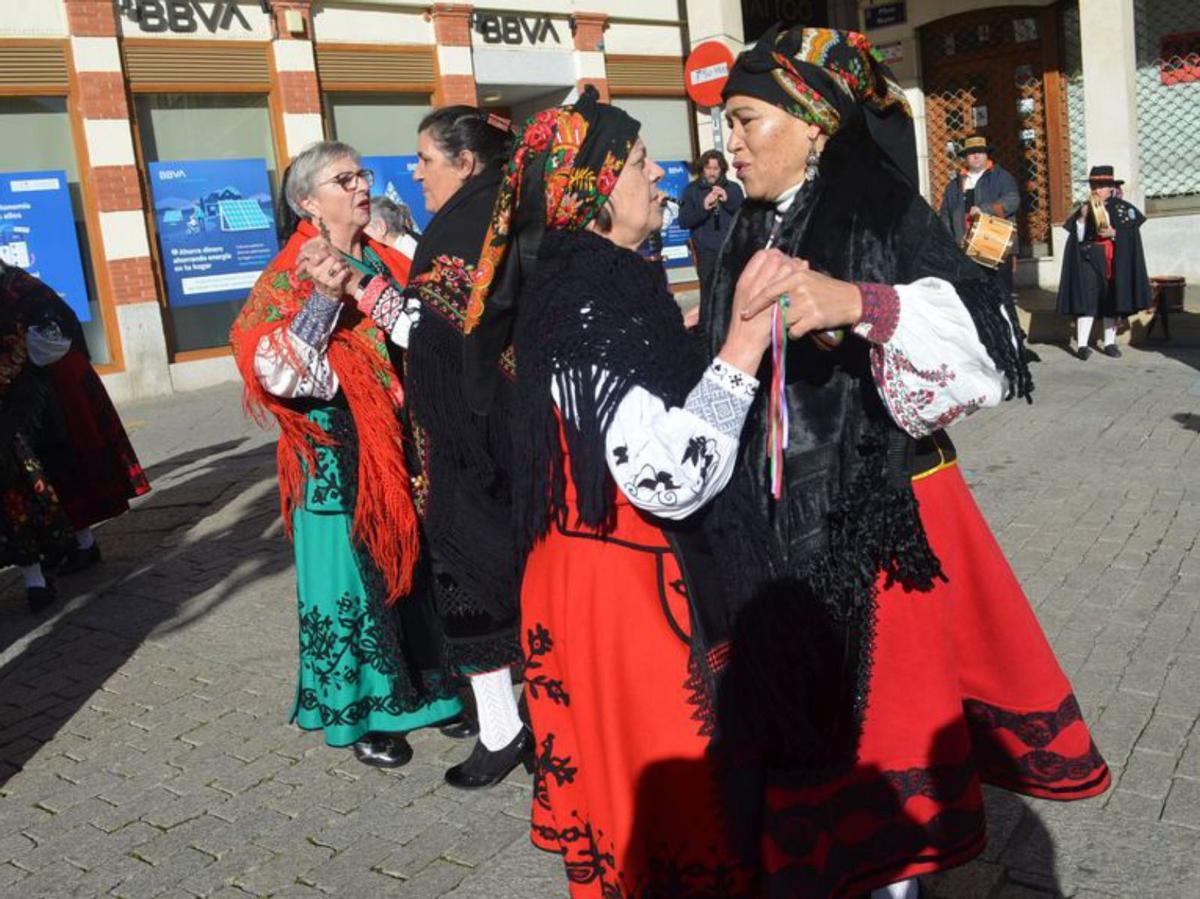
(666, 125)
(376, 124)
(195, 127)
(44, 142)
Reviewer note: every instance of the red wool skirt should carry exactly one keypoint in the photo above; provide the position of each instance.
(97, 473)
(965, 689)
(622, 787)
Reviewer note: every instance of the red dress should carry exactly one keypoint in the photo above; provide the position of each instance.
(97, 472)
(965, 689)
(622, 787)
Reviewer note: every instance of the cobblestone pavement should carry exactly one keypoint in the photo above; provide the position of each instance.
(145, 751)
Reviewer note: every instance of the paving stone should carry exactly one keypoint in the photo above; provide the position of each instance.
(1183, 803)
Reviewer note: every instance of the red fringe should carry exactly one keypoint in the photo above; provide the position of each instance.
(385, 519)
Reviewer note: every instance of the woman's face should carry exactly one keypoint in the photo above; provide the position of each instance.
(1103, 192)
(341, 199)
(635, 203)
(769, 146)
(440, 177)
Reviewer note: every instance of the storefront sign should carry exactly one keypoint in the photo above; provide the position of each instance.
(885, 15)
(37, 233)
(183, 16)
(503, 28)
(674, 238)
(216, 227)
(394, 180)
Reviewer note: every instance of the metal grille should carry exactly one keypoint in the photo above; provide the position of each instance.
(1168, 96)
(660, 75)
(984, 73)
(1072, 70)
(349, 66)
(177, 62)
(33, 64)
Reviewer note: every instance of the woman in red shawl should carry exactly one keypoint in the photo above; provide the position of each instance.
(370, 666)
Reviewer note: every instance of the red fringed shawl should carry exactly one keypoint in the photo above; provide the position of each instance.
(385, 521)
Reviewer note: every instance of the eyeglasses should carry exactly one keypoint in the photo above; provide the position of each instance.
(347, 180)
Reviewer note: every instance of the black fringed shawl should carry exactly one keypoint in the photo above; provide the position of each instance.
(848, 512)
(462, 458)
(591, 308)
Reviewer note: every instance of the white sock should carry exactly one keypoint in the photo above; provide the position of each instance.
(1110, 331)
(499, 720)
(905, 889)
(1083, 330)
(84, 538)
(33, 576)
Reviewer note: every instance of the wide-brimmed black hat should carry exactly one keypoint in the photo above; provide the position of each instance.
(976, 143)
(1102, 176)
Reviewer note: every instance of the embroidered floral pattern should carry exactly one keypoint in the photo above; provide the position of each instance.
(910, 392)
(540, 644)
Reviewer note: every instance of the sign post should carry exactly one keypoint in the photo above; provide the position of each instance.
(704, 76)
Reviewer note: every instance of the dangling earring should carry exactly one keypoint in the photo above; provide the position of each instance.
(812, 165)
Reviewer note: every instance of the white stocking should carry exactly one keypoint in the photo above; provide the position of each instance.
(1083, 330)
(1110, 331)
(33, 576)
(499, 720)
(905, 889)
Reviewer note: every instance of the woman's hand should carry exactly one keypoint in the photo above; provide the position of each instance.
(750, 335)
(321, 262)
(1108, 233)
(816, 302)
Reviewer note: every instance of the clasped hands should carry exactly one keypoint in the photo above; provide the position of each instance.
(320, 261)
(814, 302)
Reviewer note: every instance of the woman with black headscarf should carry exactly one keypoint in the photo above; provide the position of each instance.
(620, 430)
(847, 491)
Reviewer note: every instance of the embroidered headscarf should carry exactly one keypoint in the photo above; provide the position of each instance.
(385, 521)
(824, 77)
(565, 164)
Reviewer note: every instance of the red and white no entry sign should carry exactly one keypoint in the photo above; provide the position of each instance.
(706, 71)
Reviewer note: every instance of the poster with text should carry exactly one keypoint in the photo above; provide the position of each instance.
(37, 233)
(674, 238)
(216, 227)
(394, 180)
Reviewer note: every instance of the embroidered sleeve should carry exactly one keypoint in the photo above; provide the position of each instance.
(301, 369)
(394, 312)
(670, 462)
(928, 363)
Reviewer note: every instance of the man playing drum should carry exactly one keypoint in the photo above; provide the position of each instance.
(983, 187)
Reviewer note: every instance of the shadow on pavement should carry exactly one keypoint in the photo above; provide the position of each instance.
(193, 543)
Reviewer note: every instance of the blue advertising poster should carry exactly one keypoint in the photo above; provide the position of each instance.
(393, 179)
(37, 233)
(216, 227)
(674, 238)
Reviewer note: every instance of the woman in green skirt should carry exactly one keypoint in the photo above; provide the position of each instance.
(370, 643)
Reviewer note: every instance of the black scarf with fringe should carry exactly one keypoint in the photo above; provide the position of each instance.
(848, 513)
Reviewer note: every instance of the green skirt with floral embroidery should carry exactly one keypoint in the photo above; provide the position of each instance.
(364, 667)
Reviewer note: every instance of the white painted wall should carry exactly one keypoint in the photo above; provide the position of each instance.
(340, 25)
(33, 18)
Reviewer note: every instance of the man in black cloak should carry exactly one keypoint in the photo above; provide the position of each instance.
(1104, 270)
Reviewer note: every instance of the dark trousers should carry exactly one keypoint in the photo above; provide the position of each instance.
(706, 268)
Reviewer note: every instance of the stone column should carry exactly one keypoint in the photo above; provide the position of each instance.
(294, 71)
(1106, 30)
(713, 20)
(109, 174)
(455, 70)
(588, 28)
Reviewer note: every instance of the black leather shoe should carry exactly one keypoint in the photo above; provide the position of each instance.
(40, 598)
(1083, 353)
(484, 768)
(1111, 351)
(383, 750)
(460, 729)
(79, 559)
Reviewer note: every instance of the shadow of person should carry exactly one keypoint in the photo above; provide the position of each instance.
(183, 552)
(1188, 420)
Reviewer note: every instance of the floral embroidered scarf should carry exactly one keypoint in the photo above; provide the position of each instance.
(565, 164)
(385, 521)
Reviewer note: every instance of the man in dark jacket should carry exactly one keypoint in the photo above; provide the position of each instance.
(707, 209)
(982, 186)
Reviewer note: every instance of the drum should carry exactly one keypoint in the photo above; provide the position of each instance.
(989, 239)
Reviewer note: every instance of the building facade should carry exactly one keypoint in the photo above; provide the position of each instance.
(109, 91)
